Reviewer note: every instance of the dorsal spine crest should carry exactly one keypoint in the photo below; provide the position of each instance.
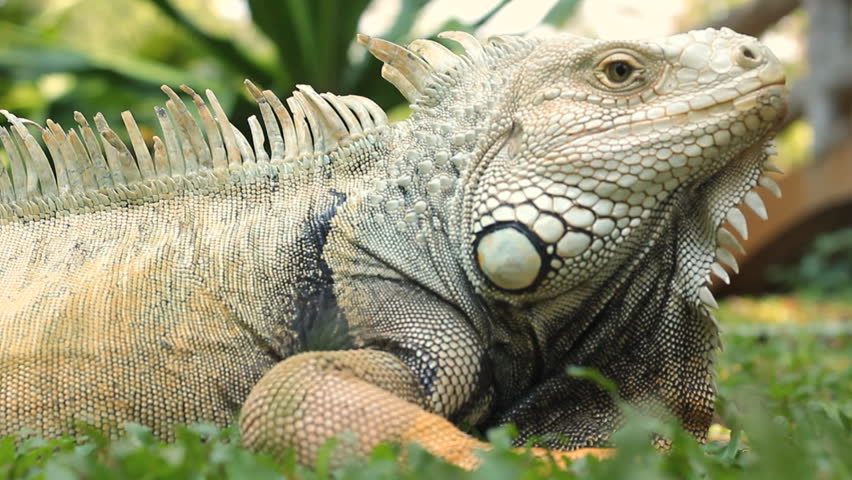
(94, 170)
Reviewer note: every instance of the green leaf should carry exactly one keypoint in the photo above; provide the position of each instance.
(46, 59)
(55, 471)
(223, 48)
(401, 28)
(732, 449)
(488, 15)
(595, 376)
(322, 463)
(561, 12)
(312, 37)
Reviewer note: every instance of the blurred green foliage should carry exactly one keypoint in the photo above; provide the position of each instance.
(825, 270)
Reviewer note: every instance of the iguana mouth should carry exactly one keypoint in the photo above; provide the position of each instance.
(750, 99)
(680, 112)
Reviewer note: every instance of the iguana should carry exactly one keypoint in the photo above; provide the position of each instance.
(551, 201)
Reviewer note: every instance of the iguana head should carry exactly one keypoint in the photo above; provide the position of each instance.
(601, 140)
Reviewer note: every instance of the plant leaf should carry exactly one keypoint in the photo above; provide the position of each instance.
(561, 12)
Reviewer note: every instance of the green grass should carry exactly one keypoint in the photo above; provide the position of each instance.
(785, 393)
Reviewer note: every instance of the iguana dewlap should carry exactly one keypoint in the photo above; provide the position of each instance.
(550, 202)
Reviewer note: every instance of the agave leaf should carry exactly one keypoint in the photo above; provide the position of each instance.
(312, 36)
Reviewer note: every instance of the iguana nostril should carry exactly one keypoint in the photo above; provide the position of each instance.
(749, 56)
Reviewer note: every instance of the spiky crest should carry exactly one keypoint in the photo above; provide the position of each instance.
(421, 70)
(94, 169)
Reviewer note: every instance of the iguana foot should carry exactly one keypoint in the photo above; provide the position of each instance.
(559, 456)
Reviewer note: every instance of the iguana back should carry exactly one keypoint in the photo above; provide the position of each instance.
(163, 310)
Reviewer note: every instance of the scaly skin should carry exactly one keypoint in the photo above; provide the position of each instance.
(550, 202)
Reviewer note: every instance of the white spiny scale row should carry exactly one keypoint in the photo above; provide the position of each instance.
(449, 95)
(735, 218)
(95, 170)
(427, 74)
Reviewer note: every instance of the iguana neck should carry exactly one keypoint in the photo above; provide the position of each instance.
(455, 120)
(622, 325)
(664, 273)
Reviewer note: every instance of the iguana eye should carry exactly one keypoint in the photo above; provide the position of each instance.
(619, 71)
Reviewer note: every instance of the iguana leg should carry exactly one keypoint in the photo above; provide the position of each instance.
(309, 398)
